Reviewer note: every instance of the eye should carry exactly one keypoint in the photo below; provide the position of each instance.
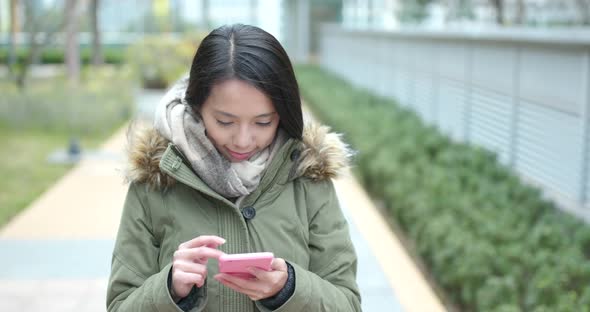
(264, 124)
(224, 124)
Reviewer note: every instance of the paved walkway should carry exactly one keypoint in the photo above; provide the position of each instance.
(55, 255)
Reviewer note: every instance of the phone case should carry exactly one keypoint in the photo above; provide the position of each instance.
(236, 264)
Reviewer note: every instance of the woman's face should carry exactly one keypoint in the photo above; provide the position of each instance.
(240, 120)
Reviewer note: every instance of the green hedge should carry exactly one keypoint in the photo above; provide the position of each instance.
(103, 101)
(56, 55)
(491, 242)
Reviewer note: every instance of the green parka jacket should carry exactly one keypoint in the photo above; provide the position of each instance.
(298, 218)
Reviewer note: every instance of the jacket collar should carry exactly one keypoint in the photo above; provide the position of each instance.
(155, 161)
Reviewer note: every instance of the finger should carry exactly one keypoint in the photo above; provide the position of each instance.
(186, 278)
(203, 240)
(270, 282)
(278, 264)
(260, 273)
(198, 253)
(189, 267)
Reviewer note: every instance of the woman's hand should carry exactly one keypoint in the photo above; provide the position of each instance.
(265, 283)
(189, 265)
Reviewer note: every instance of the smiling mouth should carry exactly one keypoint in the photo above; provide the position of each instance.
(240, 156)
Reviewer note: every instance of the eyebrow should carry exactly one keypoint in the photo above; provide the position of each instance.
(234, 116)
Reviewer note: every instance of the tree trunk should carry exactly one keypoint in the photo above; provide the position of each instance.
(205, 12)
(254, 12)
(12, 35)
(72, 49)
(36, 23)
(584, 8)
(97, 57)
(499, 6)
(520, 11)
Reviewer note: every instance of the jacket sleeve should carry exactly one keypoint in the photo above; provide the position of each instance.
(330, 282)
(136, 282)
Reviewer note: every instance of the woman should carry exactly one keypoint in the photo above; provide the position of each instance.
(230, 167)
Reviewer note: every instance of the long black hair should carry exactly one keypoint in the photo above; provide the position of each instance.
(254, 56)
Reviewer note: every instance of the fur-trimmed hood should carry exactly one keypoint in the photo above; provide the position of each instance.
(323, 155)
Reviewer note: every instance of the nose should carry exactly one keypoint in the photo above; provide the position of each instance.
(243, 138)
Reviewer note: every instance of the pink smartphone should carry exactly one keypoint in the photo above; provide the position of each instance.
(236, 264)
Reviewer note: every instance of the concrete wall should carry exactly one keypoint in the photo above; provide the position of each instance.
(522, 94)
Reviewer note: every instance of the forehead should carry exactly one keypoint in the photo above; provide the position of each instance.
(238, 98)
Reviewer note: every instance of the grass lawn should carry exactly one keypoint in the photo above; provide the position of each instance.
(36, 121)
(24, 167)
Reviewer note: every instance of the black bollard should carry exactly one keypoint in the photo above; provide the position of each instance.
(74, 149)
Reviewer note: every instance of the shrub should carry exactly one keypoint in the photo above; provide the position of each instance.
(112, 55)
(491, 242)
(159, 60)
(102, 101)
